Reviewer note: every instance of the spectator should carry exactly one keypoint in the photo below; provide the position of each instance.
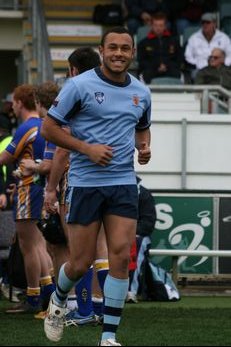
(8, 109)
(5, 171)
(216, 72)
(189, 14)
(139, 12)
(159, 54)
(210, 5)
(145, 227)
(200, 44)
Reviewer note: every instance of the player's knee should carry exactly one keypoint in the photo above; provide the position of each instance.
(79, 268)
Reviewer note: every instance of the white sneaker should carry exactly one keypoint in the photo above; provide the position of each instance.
(6, 292)
(131, 298)
(54, 321)
(109, 342)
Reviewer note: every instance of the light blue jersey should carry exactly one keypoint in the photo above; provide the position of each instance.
(101, 111)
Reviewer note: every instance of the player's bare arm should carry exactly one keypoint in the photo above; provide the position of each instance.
(6, 158)
(143, 146)
(99, 153)
(59, 164)
(30, 166)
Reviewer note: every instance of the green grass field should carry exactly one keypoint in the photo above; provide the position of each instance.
(193, 321)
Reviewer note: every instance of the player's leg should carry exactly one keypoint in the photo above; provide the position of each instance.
(101, 259)
(81, 258)
(120, 235)
(120, 221)
(27, 211)
(101, 267)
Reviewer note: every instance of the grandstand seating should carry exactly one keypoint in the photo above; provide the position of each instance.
(166, 81)
(226, 25)
(69, 25)
(142, 33)
(189, 31)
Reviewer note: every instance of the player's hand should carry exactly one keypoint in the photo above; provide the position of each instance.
(144, 153)
(100, 154)
(51, 201)
(27, 166)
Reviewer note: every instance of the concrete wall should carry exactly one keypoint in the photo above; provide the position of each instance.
(11, 33)
(189, 153)
(11, 45)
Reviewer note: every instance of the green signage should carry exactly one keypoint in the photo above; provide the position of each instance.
(184, 223)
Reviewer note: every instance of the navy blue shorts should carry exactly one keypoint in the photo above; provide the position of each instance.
(89, 204)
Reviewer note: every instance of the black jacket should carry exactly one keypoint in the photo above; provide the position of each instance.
(147, 212)
(6, 177)
(211, 75)
(153, 51)
(136, 7)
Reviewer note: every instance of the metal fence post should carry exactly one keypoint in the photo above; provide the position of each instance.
(205, 101)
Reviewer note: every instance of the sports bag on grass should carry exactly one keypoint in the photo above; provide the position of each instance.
(157, 284)
(16, 269)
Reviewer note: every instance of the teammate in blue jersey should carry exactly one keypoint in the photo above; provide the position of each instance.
(108, 111)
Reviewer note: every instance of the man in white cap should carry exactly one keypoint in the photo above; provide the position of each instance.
(201, 44)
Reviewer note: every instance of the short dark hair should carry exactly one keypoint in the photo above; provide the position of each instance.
(117, 30)
(160, 16)
(84, 58)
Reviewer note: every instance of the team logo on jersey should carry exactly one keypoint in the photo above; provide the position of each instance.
(99, 96)
(136, 100)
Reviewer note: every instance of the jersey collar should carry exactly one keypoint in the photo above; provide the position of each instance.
(107, 80)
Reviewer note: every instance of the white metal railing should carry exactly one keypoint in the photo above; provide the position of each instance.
(176, 253)
(215, 93)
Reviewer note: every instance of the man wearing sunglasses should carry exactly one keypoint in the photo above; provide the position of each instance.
(201, 44)
(216, 72)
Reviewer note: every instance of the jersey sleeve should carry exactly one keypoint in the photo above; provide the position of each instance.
(145, 120)
(22, 137)
(49, 151)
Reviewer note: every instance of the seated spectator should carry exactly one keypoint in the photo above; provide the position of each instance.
(189, 14)
(7, 107)
(201, 43)
(159, 54)
(139, 12)
(210, 5)
(216, 72)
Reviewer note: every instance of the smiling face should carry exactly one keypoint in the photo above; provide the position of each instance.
(117, 53)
